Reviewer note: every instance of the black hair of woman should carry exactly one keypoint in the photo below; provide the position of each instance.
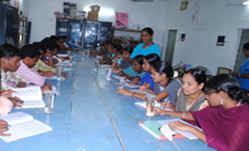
(199, 75)
(229, 85)
(166, 68)
(139, 59)
(154, 60)
(148, 30)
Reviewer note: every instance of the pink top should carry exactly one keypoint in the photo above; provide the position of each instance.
(30, 75)
(225, 129)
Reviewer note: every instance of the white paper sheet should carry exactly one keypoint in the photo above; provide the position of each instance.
(187, 134)
(26, 129)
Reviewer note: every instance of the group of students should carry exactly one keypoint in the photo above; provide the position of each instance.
(219, 106)
(29, 65)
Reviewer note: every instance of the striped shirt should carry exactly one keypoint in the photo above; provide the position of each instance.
(30, 75)
(43, 67)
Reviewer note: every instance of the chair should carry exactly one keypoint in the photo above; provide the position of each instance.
(223, 70)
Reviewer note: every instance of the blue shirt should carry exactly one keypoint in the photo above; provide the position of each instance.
(130, 72)
(147, 78)
(119, 59)
(139, 50)
(244, 69)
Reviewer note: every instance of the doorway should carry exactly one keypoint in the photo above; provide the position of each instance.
(170, 46)
(240, 59)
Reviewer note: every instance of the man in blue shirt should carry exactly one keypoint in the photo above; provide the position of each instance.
(243, 75)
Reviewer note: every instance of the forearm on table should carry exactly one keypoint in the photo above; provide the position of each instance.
(139, 95)
(161, 96)
(183, 115)
(198, 134)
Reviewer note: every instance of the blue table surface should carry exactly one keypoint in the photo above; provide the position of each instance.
(90, 116)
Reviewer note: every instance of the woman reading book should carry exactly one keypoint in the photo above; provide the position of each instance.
(225, 122)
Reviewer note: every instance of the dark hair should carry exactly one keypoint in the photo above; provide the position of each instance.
(29, 51)
(61, 37)
(166, 68)
(246, 46)
(199, 75)
(154, 60)
(53, 37)
(139, 59)
(8, 51)
(148, 30)
(117, 47)
(230, 85)
(39, 46)
(50, 44)
(128, 49)
(108, 42)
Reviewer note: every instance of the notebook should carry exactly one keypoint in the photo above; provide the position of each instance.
(31, 96)
(23, 125)
(184, 133)
(153, 127)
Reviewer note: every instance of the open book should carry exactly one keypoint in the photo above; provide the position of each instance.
(184, 133)
(32, 96)
(153, 127)
(23, 125)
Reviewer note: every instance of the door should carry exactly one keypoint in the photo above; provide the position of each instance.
(240, 55)
(170, 46)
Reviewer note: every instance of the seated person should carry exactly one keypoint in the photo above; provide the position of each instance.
(167, 87)
(125, 62)
(29, 56)
(51, 48)
(61, 41)
(135, 72)
(225, 122)
(149, 62)
(41, 67)
(113, 52)
(191, 97)
(10, 62)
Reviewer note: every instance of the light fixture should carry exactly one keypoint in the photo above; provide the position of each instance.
(246, 2)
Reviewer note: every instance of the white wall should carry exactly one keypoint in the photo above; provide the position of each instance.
(145, 14)
(216, 17)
